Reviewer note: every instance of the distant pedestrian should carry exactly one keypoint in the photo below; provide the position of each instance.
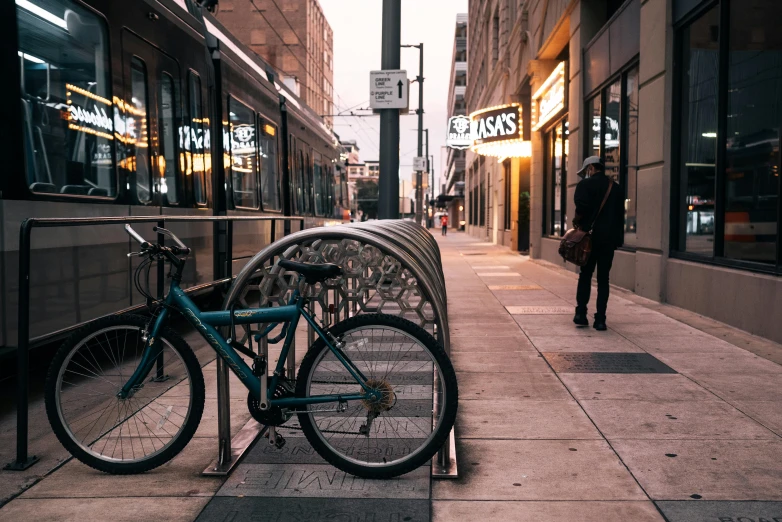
(444, 223)
(607, 235)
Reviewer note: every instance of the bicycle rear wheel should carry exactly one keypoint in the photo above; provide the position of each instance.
(404, 428)
(116, 435)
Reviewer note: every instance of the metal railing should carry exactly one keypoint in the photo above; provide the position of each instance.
(389, 266)
(223, 273)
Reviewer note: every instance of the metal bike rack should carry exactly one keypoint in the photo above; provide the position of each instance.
(222, 275)
(392, 267)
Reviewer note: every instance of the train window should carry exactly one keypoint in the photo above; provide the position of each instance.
(66, 100)
(267, 142)
(167, 164)
(300, 186)
(244, 162)
(137, 127)
(317, 183)
(192, 141)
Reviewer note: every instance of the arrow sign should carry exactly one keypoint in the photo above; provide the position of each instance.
(388, 89)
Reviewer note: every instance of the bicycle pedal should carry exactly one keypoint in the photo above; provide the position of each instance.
(280, 442)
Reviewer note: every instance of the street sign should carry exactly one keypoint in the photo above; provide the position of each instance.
(388, 89)
(419, 163)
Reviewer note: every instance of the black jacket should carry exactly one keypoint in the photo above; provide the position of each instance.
(608, 229)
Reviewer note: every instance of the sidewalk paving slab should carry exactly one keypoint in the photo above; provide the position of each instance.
(548, 511)
(524, 419)
(710, 469)
(131, 509)
(538, 470)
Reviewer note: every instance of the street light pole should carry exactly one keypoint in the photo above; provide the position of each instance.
(430, 191)
(388, 182)
(419, 189)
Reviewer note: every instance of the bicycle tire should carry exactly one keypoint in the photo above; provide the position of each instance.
(84, 451)
(421, 455)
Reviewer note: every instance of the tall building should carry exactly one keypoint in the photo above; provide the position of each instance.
(681, 100)
(457, 106)
(294, 37)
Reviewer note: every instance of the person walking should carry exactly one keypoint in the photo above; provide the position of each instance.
(444, 223)
(607, 227)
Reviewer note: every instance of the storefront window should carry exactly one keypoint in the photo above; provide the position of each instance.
(612, 124)
(730, 116)
(631, 148)
(613, 113)
(700, 61)
(593, 123)
(753, 124)
(556, 143)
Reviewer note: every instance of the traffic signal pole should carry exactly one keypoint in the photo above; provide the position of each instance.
(388, 182)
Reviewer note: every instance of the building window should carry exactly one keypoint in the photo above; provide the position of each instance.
(68, 113)
(482, 194)
(555, 141)
(506, 175)
(730, 112)
(612, 115)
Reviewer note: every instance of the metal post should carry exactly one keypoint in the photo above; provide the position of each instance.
(225, 451)
(161, 281)
(419, 189)
(388, 183)
(23, 461)
(428, 170)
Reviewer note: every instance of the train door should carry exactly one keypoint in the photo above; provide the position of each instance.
(152, 113)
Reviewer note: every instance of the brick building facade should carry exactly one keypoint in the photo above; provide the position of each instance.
(294, 37)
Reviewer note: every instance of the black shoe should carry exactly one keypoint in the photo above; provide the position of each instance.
(600, 323)
(580, 318)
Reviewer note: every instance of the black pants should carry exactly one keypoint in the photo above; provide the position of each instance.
(601, 257)
(445, 229)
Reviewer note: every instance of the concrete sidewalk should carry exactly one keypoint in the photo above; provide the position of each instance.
(685, 426)
(667, 415)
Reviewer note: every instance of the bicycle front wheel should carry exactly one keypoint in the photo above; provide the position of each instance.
(402, 428)
(129, 435)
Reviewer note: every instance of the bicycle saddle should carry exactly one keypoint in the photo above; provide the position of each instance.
(312, 273)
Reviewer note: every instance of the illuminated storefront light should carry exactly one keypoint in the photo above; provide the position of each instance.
(497, 131)
(549, 99)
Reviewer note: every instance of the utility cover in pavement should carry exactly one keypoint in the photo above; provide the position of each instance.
(605, 362)
(721, 511)
(222, 509)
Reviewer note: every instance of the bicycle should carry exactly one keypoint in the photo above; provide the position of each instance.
(390, 387)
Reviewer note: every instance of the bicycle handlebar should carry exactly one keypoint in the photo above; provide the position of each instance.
(166, 232)
(180, 249)
(135, 235)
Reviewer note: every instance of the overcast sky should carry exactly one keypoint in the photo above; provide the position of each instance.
(357, 26)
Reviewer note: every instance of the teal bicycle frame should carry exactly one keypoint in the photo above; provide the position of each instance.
(207, 323)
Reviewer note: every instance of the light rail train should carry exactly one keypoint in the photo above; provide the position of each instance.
(147, 108)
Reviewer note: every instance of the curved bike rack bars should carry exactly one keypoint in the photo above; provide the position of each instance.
(393, 267)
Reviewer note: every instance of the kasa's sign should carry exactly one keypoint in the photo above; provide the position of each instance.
(497, 131)
(496, 124)
(459, 136)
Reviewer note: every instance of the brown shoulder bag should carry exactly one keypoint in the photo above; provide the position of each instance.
(576, 244)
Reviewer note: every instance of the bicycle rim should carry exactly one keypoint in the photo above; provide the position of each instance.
(404, 421)
(122, 430)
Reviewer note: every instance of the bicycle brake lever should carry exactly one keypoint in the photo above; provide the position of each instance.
(139, 254)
